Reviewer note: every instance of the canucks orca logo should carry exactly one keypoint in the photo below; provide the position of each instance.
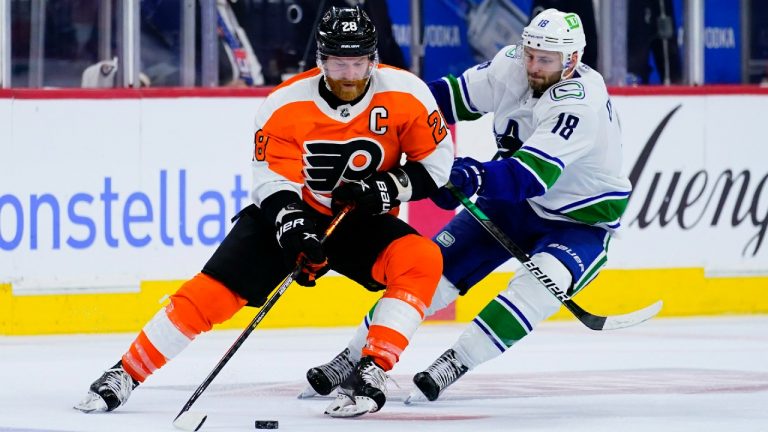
(567, 90)
(328, 163)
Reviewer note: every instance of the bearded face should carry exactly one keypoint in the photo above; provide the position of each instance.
(541, 81)
(346, 90)
(545, 68)
(347, 76)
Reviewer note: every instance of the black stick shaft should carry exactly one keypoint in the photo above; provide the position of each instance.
(256, 320)
(594, 322)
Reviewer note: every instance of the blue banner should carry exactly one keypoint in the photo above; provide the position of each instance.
(458, 34)
(722, 40)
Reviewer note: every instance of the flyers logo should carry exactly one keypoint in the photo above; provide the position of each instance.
(327, 163)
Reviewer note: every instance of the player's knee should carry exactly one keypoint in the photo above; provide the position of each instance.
(444, 295)
(412, 264)
(202, 302)
(524, 289)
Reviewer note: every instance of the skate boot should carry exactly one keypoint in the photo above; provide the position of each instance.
(438, 376)
(108, 392)
(325, 378)
(364, 391)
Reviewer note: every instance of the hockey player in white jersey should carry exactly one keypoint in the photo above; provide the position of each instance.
(555, 187)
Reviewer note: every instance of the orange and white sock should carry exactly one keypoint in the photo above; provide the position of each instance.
(200, 303)
(410, 267)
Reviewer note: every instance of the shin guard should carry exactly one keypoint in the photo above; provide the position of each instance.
(200, 303)
(513, 314)
(410, 268)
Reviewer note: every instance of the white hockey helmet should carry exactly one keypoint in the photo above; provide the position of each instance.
(552, 30)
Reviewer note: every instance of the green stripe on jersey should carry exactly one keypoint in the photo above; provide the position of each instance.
(608, 210)
(547, 171)
(502, 323)
(463, 112)
(590, 274)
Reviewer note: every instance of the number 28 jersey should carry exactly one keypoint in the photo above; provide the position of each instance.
(303, 144)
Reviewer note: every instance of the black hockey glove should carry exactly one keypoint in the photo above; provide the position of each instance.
(297, 236)
(375, 195)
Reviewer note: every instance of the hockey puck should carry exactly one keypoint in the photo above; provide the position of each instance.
(266, 424)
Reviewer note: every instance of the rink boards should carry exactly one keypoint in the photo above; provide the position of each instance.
(109, 199)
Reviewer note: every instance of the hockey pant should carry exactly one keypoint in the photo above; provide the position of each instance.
(409, 291)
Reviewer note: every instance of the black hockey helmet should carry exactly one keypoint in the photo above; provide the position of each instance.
(346, 32)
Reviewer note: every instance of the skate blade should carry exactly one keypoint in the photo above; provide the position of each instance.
(189, 421)
(91, 403)
(308, 393)
(346, 407)
(415, 397)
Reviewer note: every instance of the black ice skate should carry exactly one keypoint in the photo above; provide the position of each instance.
(438, 376)
(364, 391)
(325, 378)
(108, 392)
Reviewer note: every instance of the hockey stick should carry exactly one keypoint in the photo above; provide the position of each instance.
(193, 421)
(238, 49)
(595, 322)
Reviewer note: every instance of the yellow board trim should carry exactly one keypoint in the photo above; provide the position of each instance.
(337, 301)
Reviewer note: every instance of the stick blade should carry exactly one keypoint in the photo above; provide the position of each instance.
(633, 318)
(190, 421)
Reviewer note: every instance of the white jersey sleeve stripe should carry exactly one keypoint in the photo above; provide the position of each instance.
(465, 95)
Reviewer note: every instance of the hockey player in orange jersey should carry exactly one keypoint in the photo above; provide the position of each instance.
(329, 137)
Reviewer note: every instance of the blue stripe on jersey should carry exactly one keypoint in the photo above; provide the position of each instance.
(545, 156)
(613, 226)
(508, 180)
(465, 93)
(442, 93)
(580, 203)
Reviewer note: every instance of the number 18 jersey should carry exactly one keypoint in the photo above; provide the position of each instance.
(567, 138)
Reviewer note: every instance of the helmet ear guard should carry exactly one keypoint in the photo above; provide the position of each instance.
(561, 32)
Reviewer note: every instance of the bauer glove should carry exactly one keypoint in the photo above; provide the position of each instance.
(375, 195)
(300, 243)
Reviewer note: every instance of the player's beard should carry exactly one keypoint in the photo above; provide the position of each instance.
(347, 90)
(543, 81)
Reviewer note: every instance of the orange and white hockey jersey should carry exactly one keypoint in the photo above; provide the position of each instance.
(302, 144)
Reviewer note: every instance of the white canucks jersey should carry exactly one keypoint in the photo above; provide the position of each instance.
(569, 138)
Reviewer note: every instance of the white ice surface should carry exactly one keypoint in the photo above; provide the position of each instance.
(693, 374)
